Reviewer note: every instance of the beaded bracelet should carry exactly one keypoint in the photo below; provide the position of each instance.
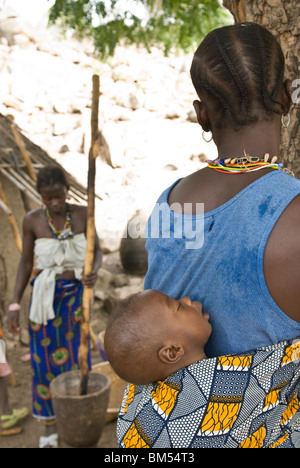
(14, 307)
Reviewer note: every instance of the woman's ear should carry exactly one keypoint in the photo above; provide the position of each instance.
(170, 354)
(202, 115)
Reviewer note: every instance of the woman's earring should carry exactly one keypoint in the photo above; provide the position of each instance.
(203, 136)
(284, 123)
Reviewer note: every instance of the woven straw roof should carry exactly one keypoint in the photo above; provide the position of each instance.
(14, 148)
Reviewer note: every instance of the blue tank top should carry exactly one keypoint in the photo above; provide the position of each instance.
(222, 265)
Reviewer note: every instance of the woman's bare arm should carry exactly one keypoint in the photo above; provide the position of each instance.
(24, 272)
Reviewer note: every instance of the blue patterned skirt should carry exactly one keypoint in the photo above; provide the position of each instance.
(54, 347)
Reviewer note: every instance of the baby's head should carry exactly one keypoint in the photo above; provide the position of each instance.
(151, 335)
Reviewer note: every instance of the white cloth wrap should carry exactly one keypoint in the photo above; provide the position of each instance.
(54, 257)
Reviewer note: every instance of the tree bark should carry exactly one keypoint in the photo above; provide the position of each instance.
(281, 18)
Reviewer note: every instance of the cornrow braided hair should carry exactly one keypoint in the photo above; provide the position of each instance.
(240, 69)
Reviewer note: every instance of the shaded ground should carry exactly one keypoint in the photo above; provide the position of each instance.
(20, 395)
(20, 392)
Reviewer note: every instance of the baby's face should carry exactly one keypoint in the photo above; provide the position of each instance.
(180, 319)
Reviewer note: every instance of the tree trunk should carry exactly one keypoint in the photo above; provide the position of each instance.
(281, 18)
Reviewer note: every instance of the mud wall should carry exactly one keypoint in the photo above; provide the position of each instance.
(9, 253)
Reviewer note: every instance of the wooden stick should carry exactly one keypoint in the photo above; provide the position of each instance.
(23, 194)
(20, 182)
(10, 432)
(5, 208)
(90, 236)
(11, 219)
(24, 152)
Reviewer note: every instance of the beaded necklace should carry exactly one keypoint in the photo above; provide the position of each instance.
(246, 164)
(67, 231)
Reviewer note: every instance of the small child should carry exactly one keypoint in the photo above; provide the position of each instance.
(151, 335)
(179, 398)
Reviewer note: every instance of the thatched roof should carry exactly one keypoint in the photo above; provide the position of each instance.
(15, 148)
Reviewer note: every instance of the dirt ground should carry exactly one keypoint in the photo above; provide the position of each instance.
(20, 395)
(20, 392)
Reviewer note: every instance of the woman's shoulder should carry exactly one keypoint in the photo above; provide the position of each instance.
(78, 213)
(79, 217)
(77, 209)
(34, 215)
(34, 223)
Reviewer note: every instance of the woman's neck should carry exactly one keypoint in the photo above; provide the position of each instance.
(62, 213)
(255, 140)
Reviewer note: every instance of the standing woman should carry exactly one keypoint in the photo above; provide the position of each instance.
(53, 236)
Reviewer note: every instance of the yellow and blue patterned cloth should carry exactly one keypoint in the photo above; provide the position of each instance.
(250, 400)
(54, 347)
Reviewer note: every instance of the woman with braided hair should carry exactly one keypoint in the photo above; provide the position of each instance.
(246, 273)
(228, 236)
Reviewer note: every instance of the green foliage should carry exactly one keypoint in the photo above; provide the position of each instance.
(168, 24)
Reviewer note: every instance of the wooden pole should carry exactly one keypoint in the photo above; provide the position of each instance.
(23, 194)
(11, 219)
(11, 432)
(24, 152)
(90, 236)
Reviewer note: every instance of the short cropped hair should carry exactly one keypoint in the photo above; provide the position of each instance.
(129, 341)
(240, 69)
(51, 175)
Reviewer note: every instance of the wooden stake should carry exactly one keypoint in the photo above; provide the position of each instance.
(23, 194)
(24, 152)
(11, 219)
(10, 432)
(90, 236)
